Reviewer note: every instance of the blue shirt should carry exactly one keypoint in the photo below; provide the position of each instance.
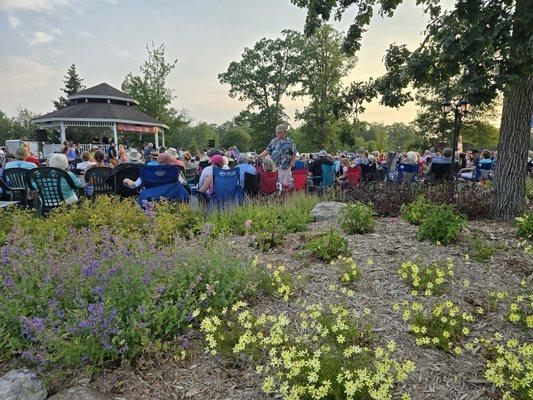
(20, 164)
(281, 151)
(243, 168)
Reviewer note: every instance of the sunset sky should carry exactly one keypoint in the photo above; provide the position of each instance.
(106, 39)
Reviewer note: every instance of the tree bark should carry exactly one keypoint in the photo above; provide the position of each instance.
(511, 162)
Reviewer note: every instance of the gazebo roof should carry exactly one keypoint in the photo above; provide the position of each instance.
(102, 112)
(99, 104)
(102, 91)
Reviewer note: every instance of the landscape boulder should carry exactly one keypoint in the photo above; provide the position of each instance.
(21, 384)
(328, 210)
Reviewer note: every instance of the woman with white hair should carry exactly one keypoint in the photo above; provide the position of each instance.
(60, 161)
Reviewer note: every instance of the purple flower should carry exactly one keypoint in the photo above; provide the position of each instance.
(98, 290)
(160, 289)
(140, 310)
(8, 282)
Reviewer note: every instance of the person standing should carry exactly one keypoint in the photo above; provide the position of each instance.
(283, 152)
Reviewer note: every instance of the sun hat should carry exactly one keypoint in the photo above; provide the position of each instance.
(322, 153)
(242, 158)
(216, 159)
(171, 151)
(133, 155)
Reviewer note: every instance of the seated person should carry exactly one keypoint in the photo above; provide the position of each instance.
(205, 185)
(21, 156)
(31, 158)
(315, 169)
(99, 158)
(86, 161)
(244, 167)
(162, 159)
(60, 161)
(485, 160)
(134, 157)
(268, 165)
(343, 178)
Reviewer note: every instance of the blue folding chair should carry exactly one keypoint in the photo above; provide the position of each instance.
(299, 164)
(161, 182)
(406, 172)
(482, 171)
(227, 190)
(328, 175)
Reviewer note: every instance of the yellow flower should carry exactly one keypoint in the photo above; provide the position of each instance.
(457, 350)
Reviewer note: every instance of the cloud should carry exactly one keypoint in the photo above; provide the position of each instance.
(121, 52)
(35, 5)
(84, 33)
(14, 21)
(39, 37)
(20, 74)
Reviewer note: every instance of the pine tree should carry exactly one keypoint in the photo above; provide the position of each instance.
(73, 84)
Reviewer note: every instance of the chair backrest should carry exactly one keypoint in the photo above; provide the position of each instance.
(368, 172)
(47, 180)
(407, 172)
(15, 178)
(483, 171)
(251, 184)
(299, 177)
(299, 164)
(97, 176)
(440, 171)
(328, 175)
(158, 175)
(354, 176)
(119, 173)
(269, 182)
(226, 186)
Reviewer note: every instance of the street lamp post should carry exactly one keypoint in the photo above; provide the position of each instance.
(460, 109)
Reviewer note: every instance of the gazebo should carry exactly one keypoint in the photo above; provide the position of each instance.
(102, 106)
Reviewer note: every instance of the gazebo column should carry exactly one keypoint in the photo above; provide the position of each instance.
(115, 133)
(163, 137)
(157, 139)
(63, 132)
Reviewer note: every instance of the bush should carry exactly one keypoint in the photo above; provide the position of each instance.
(480, 249)
(441, 326)
(322, 352)
(415, 212)
(329, 246)
(524, 226)
(428, 280)
(357, 218)
(87, 303)
(441, 225)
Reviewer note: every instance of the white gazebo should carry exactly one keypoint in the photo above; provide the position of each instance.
(102, 106)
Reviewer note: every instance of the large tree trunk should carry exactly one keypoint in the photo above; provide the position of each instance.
(511, 164)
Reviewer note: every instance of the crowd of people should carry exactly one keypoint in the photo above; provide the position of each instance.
(280, 156)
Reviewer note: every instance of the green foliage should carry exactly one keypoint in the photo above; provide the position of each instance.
(73, 84)
(233, 135)
(194, 138)
(416, 212)
(357, 218)
(441, 225)
(524, 226)
(480, 249)
(329, 246)
(292, 214)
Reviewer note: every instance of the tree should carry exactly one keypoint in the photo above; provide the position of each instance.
(149, 88)
(481, 47)
(234, 135)
(264, 75)
(195, 138)
(325, 65)
(73, 84)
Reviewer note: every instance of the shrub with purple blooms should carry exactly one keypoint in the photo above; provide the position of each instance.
(97, 297)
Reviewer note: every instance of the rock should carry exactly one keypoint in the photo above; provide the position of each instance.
(326, 210)
(21, 384)
(80, 393)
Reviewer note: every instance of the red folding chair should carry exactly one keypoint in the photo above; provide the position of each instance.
(269, 181)
(354, 176)
(299, 177)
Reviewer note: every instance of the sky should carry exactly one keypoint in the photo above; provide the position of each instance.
(106, 39)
